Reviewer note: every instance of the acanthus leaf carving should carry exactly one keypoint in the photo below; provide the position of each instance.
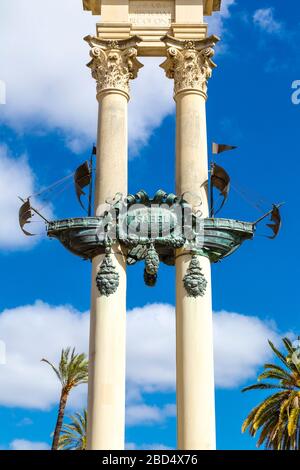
(189, 63)
(114, 63)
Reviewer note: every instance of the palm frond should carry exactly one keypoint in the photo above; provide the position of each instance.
(72, 369)
(57, 372)
(293, 421)
(275, 375)
(288, 345)
(260, 386)
(278, 354)
(277, 416)
(73, 435)
(266, 430)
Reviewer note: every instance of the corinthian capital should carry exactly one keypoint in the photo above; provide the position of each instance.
(189, 63)
(113, 63)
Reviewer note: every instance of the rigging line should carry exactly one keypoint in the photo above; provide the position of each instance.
(57, 183)
(255, 197)
(247, 199)
(63, 189)
(56, 195)
(47, 199)
(49, 188)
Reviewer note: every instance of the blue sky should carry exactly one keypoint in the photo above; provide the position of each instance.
(47, 127)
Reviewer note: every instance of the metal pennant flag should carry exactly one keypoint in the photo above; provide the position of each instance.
(219, 148)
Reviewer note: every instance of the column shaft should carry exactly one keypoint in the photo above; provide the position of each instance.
(106, 396)
(111, 171)
(194, 331)
(189, 64)
(191, 148)
(194, 363)
(113, 65)
(106, 400)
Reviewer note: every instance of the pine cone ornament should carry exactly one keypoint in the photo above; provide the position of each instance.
(107, 279)
(194, 281)
(152, 261)
(150, 279)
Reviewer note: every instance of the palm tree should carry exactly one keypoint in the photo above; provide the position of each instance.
(71, 372)
(73, 435)
(277, 417)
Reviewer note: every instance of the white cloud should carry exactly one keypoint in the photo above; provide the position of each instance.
(48, 85)
(154, 447)
(151, 347)
(216, 21)
(151, 102)
(23, 444)
(133, 446)
(31, 333)
(35, 331)
(17, 179)
(265, 19)
(145, 414)
(240, 345)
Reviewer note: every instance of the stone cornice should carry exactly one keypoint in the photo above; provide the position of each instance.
(92, 5)
(95, 6)
(114, 63)
(211, 5)
(189, 63)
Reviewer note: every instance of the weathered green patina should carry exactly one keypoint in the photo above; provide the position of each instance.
(107, 279)
(194, 281)
(221, 238)
(151, 230)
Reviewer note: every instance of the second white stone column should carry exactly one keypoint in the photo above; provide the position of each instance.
(189, 64)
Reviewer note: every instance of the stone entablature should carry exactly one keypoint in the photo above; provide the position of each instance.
(152, 13)
(209, 6)
(151, 20)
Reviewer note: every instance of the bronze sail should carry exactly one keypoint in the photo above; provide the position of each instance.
(276, 218)
(220, 180)
(25, 214)
(82, 178)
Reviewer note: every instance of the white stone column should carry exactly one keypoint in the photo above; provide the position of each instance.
(113, 64)
(189, 64)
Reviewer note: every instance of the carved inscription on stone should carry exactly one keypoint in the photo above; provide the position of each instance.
(152, 14)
